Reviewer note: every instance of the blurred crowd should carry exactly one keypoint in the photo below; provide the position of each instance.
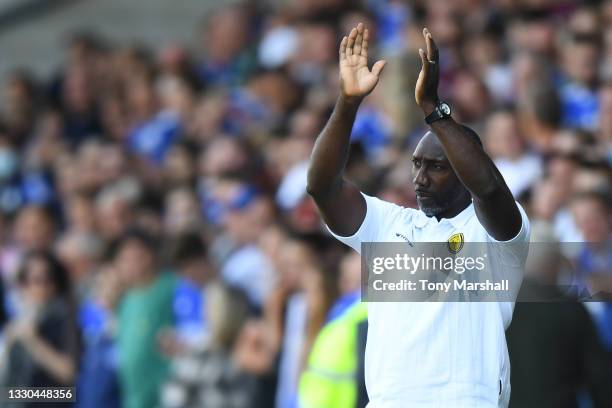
(158, 247)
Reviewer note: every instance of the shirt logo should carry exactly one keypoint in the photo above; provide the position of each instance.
(405, 238)
(455, 242)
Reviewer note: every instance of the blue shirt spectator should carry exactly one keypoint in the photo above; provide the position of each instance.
(152, 140)
(98, 383)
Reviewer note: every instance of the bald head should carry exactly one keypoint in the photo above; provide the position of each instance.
(431, 137)
(430, 144)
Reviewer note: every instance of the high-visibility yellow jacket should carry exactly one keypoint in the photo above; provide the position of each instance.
(330, 379)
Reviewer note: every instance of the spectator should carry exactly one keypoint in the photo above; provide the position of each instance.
(81, 119)
(42, 342)
(22, 103)
(211, 146)
(225, 36)
(550, 369)
(334, 375)
(592, 214)
(34, 228)
(80, 253)
(505, 145)
(594, 259)
(244, 213)
(143, 312)
(226, 384)
(296, 311)
(195, 273)
(3, 314)
(578, 95)
(182, 213)
(98, 381)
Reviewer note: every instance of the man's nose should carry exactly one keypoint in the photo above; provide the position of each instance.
(420, 177)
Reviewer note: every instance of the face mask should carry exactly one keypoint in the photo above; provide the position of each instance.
(8, 163)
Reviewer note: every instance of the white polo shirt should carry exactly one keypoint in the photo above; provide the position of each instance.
(437, 354)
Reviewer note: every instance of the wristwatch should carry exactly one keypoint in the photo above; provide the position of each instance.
(441, 111)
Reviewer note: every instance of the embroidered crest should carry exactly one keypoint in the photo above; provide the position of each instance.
(455, 242)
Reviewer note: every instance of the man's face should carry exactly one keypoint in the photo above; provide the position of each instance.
(196, 269)
(581, 62)
(437, 187)
(592, 219)
(34, 229)
(503, 138)
(134, 262)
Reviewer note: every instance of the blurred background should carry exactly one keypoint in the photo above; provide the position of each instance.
(157, 246)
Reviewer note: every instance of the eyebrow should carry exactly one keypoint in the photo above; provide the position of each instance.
(438, 159)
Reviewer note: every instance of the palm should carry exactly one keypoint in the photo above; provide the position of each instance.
(426, 89)
(356, 79)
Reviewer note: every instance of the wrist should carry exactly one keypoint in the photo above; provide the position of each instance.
(29, 340)
(347, 100)
(429, 107)
(441, 111)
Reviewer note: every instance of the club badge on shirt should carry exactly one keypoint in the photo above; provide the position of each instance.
(455, 242)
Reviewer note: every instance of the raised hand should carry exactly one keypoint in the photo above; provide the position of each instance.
(355, 78)
(426, 90)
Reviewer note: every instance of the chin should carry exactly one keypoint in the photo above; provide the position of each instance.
(430, 211)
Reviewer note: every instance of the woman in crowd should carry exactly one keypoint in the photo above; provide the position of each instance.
(41, 343)
(213, 377)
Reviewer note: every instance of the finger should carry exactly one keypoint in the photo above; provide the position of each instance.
(358, 40)
(351, 41)
(424, 61)
(343, 47)
(428, 41)
(364, 44)
(378, 67)
(432, 49)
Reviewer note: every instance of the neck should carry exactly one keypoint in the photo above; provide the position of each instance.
(145, 279)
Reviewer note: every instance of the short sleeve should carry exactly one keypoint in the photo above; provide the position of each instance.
(524, 232)
(379, 214)
(508, 258)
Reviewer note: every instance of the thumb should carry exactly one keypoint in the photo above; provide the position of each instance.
(378, 67)
(424, 60)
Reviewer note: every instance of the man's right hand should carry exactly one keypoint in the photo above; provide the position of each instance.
(356, 79)
(342, 206)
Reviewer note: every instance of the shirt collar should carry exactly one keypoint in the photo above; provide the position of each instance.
(421, 219)
(463, 217)
(457, 221)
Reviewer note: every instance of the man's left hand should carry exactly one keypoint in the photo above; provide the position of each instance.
(426, 91)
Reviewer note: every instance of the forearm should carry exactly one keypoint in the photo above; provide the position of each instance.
(472, 165)
(58, 364)
(331, 149)
(493, 202)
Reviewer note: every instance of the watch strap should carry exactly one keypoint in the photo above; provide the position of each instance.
(437, 114)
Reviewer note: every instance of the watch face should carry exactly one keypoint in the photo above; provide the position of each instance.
(446, 110)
